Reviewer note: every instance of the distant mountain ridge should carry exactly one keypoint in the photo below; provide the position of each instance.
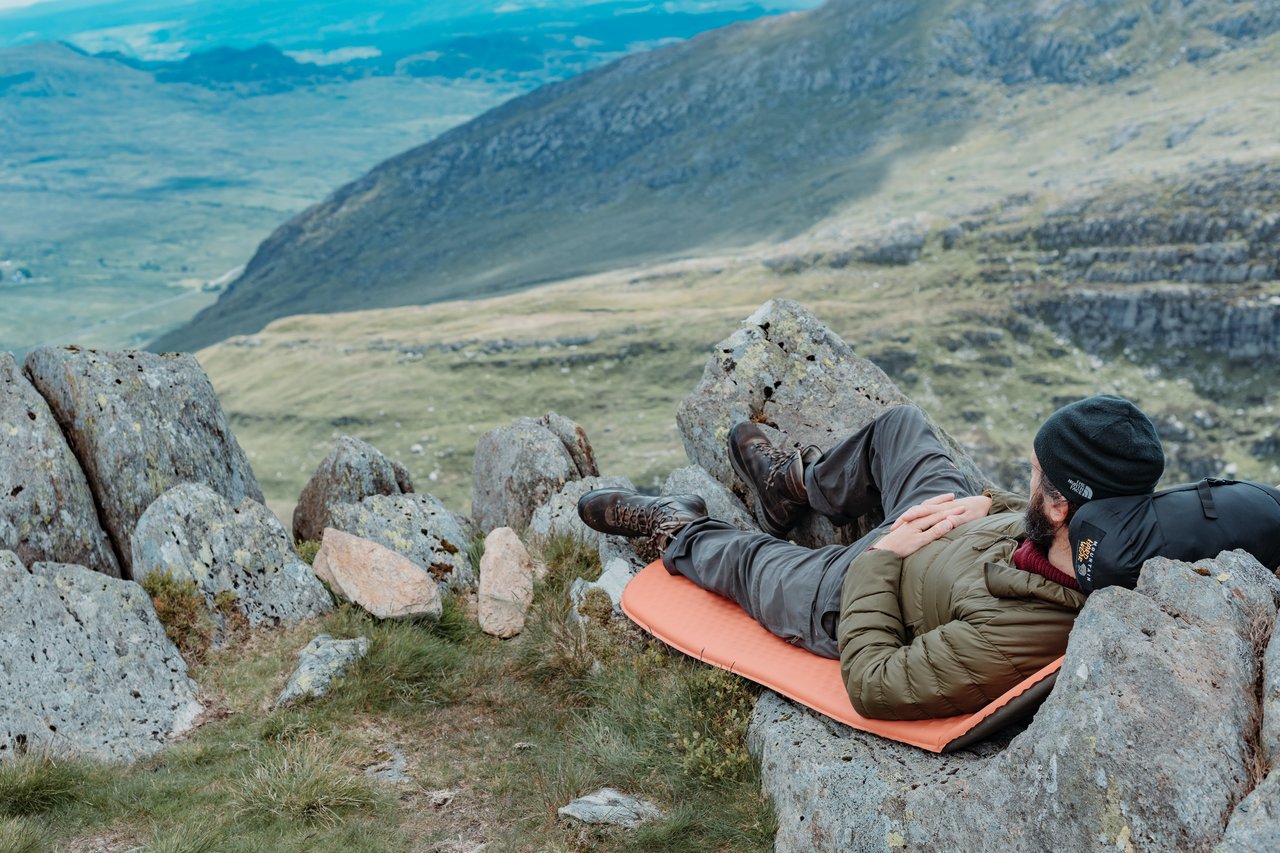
(756, 131)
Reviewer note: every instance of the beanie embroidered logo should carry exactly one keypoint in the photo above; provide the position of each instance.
(1081, 489)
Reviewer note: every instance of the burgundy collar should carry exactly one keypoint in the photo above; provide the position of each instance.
(1029, 558)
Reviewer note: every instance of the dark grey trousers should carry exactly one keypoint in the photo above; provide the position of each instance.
(893, 463)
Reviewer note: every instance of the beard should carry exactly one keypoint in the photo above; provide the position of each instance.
(1040, 529)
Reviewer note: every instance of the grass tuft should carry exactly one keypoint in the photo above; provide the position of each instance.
(303, 782)
(23, 835)
(36, 783)
(307, 551)
(181, 609)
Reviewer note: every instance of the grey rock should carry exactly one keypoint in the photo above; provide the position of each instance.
(789, 372)
(721, 503)
(1144, 741)
(415, 526)
(85, 666)
(516, 470)
(1255, 823)
(575, 440)
(1269, 740)
(617, 573)
(392, 768)
(46, 507)
(196, 534)
(353, 471)
(559, 517)
(320, 663)
(608, 806)
(140, 423)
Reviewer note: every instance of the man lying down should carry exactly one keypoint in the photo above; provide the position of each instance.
(954, 599)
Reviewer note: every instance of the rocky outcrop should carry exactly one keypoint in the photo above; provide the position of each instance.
(506, 584)
(353, 471)
(233, 553)
(789, 372)
(574, 439)
(417, 527)
(376, 578)
(46, 508)
(1147, 742)
(140, 423)
(320, 663)
(518, 468)
(85, 666)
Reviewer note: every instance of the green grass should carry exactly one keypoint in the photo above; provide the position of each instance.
(514, 729)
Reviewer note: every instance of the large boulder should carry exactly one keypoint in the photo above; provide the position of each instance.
(787, 371)
(140, 423)
(1146, 742)
(386, 584)
(415, 526)
(85, 666)
(353, 471)
(46, 508)
(242, 552)
(518, 468)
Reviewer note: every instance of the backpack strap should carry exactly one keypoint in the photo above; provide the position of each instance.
(1204, 487)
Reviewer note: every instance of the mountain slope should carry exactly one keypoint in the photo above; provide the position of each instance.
(754, 132)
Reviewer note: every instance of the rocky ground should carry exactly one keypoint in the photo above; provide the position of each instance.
(1160, 732)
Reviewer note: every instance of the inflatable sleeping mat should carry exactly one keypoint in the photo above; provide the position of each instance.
(717, 631)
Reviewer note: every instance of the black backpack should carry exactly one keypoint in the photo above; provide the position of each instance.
(1113, 537)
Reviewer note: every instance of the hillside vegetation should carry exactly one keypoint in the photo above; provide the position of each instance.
(768, 130)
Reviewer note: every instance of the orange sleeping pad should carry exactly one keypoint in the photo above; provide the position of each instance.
(717, 631)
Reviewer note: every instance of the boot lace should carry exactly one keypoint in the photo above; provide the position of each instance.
(779, 459)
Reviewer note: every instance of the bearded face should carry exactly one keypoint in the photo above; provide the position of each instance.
(1040, 528)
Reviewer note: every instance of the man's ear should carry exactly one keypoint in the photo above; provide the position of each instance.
(1057, 511)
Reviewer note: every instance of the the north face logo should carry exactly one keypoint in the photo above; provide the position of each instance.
(1081, 489)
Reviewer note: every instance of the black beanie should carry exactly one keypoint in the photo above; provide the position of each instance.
(1099, 447)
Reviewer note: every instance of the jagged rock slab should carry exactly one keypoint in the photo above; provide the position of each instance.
(1145, 741)
(195, 533)
(46, 507)
(140, 423)
(789, 372)
(353, 471)
(721, 503)
(506, 584)
(320, 663)
(85, 666)
(386, 584)
(414, 526)
(611, 807)
(517, 469)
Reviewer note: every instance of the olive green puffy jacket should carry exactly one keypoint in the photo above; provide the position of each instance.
(953, 626)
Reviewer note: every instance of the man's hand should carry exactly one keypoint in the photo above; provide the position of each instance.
(928, 522)
(969, 509)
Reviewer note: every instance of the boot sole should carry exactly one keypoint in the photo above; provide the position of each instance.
(762, 517)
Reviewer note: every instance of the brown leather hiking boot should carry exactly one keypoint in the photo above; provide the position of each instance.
(775, 476)
(623, 512)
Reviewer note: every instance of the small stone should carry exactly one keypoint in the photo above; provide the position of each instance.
(391, 768)
(320, 663)
(608, 806)
(441, 798)
(521, 746)
(376, 578)
(506, 584)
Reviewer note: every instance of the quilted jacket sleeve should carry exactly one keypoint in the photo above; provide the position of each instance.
(893, 676)
(1002, 501)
